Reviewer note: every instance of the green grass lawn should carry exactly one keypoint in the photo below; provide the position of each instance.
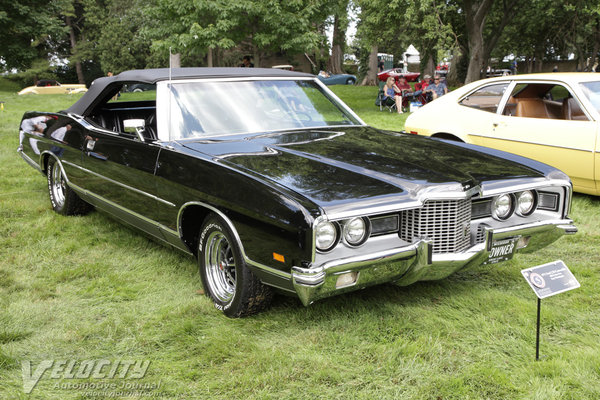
(88, 288)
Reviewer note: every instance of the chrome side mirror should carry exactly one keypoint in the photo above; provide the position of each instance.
(137, 126)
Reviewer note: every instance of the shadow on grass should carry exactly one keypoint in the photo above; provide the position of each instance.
(389, 298)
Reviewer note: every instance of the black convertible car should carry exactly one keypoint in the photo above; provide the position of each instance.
(273, 183)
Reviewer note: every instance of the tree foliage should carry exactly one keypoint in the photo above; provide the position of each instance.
(30, 29)
(97, 36)
(196, 28)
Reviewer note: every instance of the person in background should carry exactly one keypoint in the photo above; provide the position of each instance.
(246, 63)
(421, 89)
(392, 94)
(405, 90)
(437, 88)
(424, 83)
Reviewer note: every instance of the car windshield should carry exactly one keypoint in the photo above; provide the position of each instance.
(217, 108)
(592, 92)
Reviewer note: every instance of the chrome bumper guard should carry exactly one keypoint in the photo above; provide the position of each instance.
(415, 262)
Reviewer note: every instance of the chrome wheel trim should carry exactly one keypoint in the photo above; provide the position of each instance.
(58, 186)
(220, 267)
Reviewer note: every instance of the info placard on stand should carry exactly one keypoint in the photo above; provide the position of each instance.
(547, 280)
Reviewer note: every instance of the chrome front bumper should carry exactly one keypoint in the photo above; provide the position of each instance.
(415, 262)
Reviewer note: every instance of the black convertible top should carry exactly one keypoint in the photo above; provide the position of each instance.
(102, 86)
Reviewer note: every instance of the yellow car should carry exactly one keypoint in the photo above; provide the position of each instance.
(553, 118)
(50, 86)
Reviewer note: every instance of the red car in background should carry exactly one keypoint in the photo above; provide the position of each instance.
(397, 73)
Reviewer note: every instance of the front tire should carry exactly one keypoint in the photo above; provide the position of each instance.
(63, 199)
(225, 276)
(350, 81)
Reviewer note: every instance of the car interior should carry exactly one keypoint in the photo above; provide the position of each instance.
(120, 105)
(546, 101)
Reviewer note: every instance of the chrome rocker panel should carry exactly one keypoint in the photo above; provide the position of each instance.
(415, 262)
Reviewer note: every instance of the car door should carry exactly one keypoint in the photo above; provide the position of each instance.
(478, 108)
(120, 165)
(539, 128)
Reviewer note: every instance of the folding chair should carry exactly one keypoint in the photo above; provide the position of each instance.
(380, 101)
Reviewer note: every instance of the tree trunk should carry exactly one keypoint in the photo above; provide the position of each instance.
(475, 14)
(371, 77)
(476, 61)
(209, 57)
(255, 56)
(337, 48)
(429, 66)
(452, 77)
(539, 57)
(510, 9)
(73, 41)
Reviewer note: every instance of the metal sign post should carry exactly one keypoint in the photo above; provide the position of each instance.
(537, 335)
(547, 280)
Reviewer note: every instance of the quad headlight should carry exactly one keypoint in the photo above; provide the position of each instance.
(503, 206)
(356, 231)
(353, 231)
(526, 203)
(326, 235)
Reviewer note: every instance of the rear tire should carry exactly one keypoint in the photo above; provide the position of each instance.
(225, 276)
(63, 199)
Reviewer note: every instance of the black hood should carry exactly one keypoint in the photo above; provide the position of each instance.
(334, 167)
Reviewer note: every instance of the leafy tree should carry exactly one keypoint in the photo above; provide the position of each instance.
(476, 13)
(430, 31)
(206, 26)
(376, 30)
(113, 35)
(29, 28)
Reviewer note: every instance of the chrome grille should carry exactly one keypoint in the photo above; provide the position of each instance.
(480, 236)
(445, 222)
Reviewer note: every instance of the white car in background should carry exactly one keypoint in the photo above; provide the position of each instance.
(552, 118)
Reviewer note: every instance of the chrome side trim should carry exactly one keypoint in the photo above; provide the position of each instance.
(229, 223)
(29, 160)
(527, 142)
(122, 184)
(85, 192)
(160, 226)
(59, 161)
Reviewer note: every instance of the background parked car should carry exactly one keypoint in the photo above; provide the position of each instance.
(397, 73)
(140, 87)
(340, 79)
(553, 118)
(50, 86)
